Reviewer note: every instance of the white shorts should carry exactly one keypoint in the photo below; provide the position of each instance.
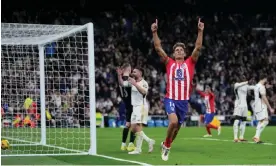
(261, 113)
(139, 114)
(241, 111)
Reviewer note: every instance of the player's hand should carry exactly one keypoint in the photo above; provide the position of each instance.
(272, 110)
(119, 71)
(154, 26)
(132, 81)
(200, 25)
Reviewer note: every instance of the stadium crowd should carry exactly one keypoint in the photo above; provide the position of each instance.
(234, 45)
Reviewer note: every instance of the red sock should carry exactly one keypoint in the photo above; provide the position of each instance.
(211, 126)
(168, 142)
(208, 130)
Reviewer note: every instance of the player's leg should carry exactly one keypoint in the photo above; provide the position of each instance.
(124, 135)
(262, 117)
(132, 134)
(144, 120)
(173, 121)
(135, 127)
(176, 111)
(139, 116)
(243, 123)
(207, 121)
(181, 114)
(237, 118)
(176, 132)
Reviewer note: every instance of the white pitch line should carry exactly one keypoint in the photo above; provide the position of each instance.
(124, 160)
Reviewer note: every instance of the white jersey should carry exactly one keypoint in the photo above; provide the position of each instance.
(240, 90)
(258, 92)
(138, 99)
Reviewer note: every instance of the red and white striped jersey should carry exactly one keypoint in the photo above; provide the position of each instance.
(179, 79)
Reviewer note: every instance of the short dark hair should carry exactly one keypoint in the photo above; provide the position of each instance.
(179, 45)
(125, 65)
(262, 76)
(140, 69)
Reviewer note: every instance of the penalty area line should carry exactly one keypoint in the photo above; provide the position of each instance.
(223, 140)
(124, 160)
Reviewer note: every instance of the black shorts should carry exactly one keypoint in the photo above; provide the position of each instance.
(128, 112)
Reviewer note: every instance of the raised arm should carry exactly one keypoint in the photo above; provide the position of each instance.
(198, 43)
(143, 89)
(251, 87)
(157, 43)
(200, 93)
(119, 75)
(237, 85)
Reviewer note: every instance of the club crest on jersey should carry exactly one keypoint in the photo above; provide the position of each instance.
(179, 75)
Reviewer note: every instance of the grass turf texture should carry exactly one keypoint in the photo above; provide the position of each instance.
(188, 148)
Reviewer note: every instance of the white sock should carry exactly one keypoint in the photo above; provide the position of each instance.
(242, 129)
(139, 141)
(260, 128)
(145, 137)
(236, 128)
(123, 144)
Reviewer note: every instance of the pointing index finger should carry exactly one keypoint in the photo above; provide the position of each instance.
(198, 20)
(156, 22)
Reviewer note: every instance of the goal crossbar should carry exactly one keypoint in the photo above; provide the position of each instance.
(39, 40)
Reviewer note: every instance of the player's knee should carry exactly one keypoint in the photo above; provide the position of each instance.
(265, 122)
(236, 122)
(173, 119)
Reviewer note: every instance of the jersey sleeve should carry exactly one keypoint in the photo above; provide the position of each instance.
(169, 60)
(190, 62)
(212, 95)
(262, 90)
(201, 93)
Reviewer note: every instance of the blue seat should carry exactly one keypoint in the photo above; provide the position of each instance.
(151, 123)
(120, 123)
(166, 123)
(111, 123)
(159, 123)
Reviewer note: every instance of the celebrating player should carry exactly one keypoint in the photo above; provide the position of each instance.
(209, 101)
(139, 90)
(261, 105)
(125, 93)
(180, 74)
(241, 109)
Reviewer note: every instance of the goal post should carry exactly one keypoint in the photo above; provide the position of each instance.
(48, 89)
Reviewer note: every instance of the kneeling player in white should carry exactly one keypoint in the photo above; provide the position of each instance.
(139, 115)
(261, 106)
(241, 109)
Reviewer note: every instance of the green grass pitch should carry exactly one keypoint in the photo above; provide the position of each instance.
(188, 148)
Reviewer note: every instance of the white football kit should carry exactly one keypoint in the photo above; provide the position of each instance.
(240, 90)
(139, 103)
(260, 109)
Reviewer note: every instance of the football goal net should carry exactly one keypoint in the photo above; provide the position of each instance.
(48, 89)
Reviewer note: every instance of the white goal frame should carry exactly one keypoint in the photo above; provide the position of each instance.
(92, 98)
